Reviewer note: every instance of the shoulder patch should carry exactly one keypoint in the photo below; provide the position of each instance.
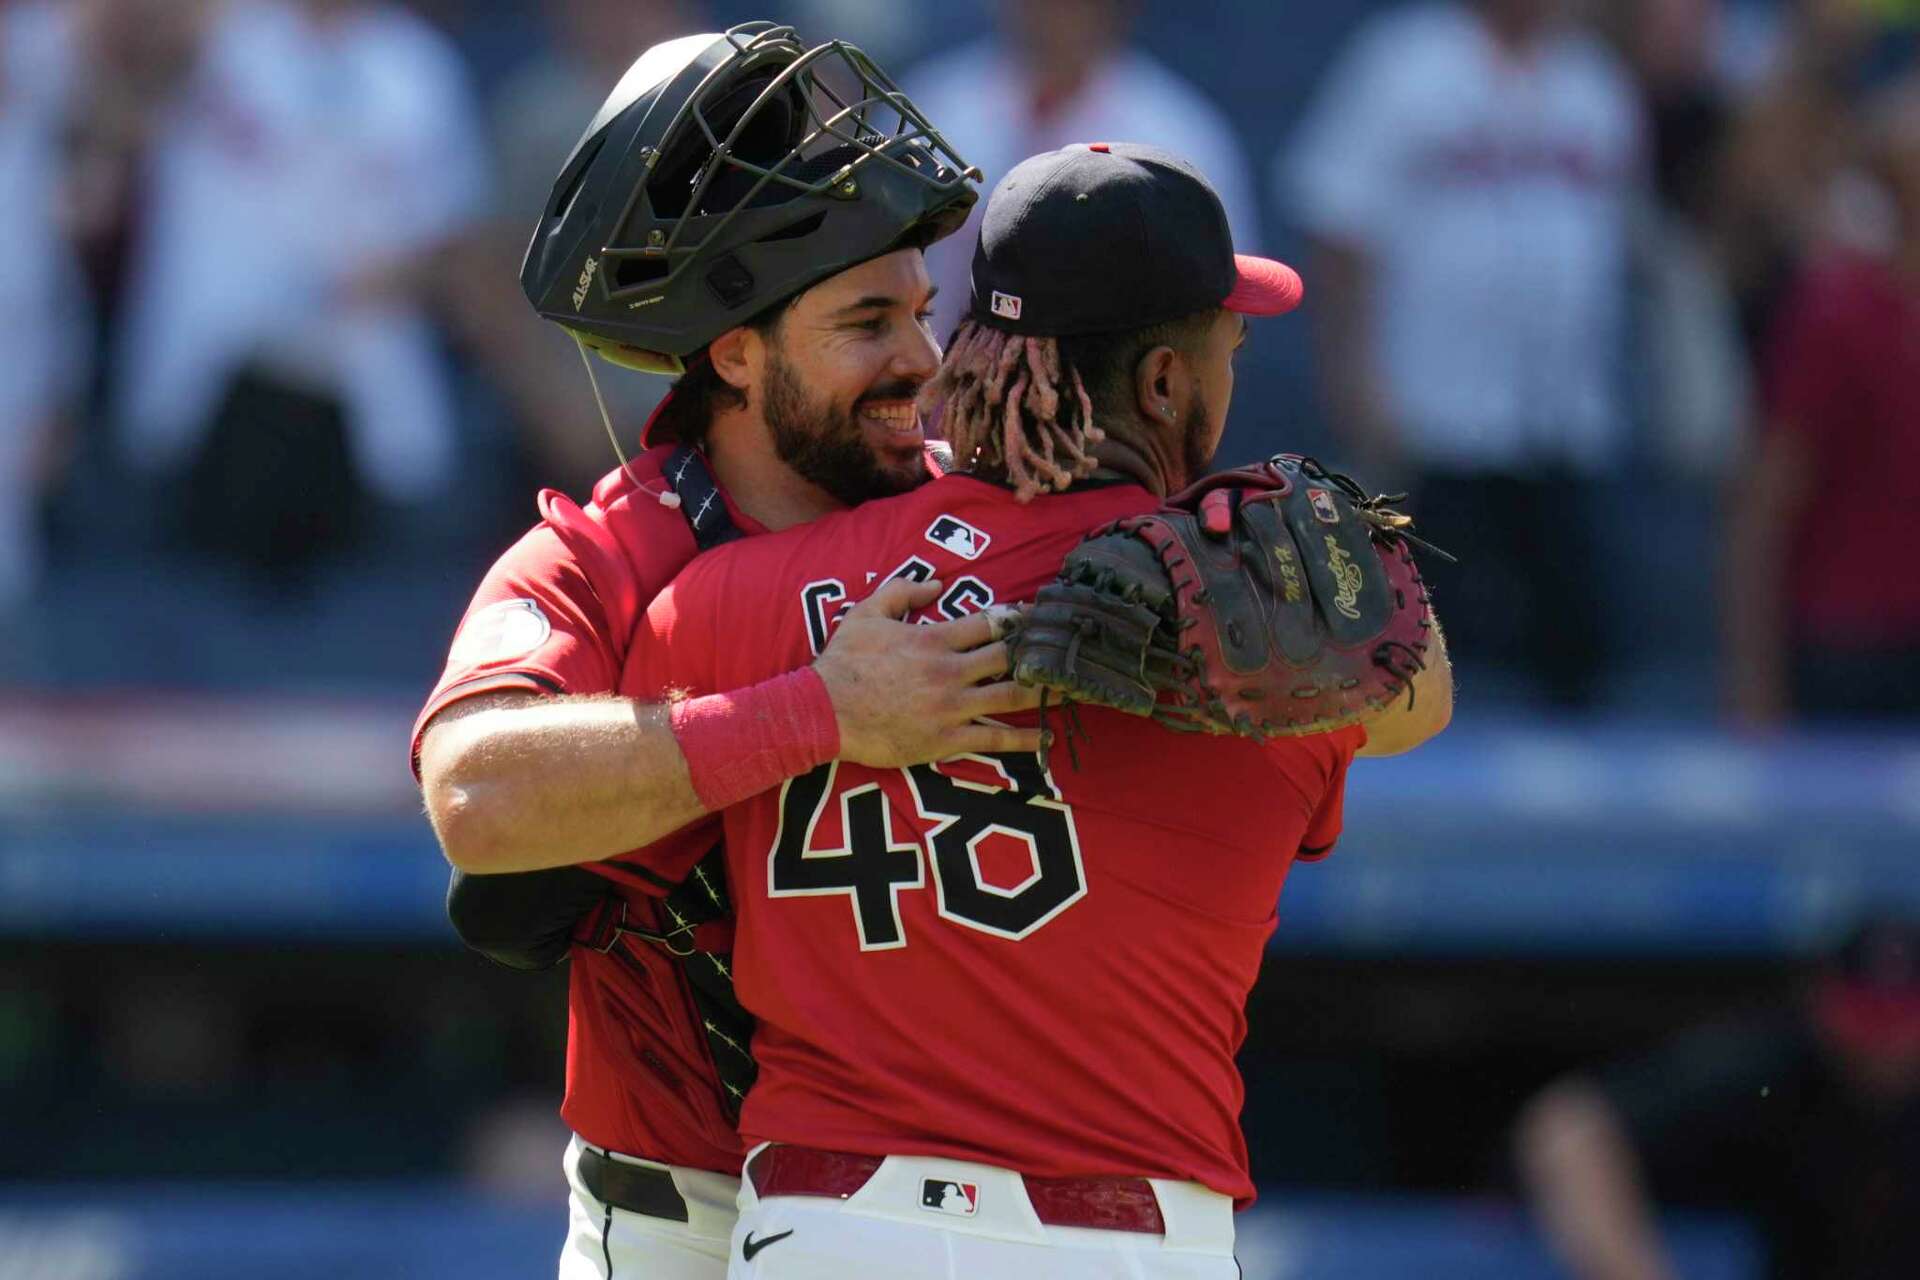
(500, 632)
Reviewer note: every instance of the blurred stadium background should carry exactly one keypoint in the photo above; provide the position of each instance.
(269, 404)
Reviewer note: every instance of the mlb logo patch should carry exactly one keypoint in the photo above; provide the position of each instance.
(1323, 508)
(957, 536)
(955, 1199)
(1006, 305)
(504, 630)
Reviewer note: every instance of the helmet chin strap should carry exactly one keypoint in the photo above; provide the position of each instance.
(606, 419)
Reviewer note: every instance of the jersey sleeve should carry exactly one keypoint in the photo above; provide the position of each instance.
(678, 647)
(536, 623)
(1323, 830)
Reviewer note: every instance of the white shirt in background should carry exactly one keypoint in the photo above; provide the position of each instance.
(309, 165)
(981, 101)
(43, 329)
(1491, 193)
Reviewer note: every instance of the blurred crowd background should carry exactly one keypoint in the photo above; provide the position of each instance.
(1625, 293)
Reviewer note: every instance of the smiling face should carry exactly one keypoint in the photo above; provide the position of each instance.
(837, 378)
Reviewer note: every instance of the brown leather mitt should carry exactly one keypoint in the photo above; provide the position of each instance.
(1273, 599)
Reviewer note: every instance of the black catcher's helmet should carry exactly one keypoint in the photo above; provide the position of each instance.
(724, 174)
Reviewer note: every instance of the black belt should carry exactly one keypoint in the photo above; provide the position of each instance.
(632, 1187)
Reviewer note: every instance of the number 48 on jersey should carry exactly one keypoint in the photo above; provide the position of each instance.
(873, 866)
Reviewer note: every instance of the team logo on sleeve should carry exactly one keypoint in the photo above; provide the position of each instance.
(952, 534)
(955, 1199)
(500, 632)
(1323, 508)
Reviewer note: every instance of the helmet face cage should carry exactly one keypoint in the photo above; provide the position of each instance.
(827, 101)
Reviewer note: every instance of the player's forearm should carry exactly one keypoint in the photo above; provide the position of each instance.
(1584, 1182)
(553, 782)
(517, 781)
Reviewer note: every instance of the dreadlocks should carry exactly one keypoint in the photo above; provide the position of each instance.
(1009, 405)
(1025, 406)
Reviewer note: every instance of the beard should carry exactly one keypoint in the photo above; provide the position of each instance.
(827, 446)
(1198, 442)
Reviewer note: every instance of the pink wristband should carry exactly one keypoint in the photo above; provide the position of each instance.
(741, 743)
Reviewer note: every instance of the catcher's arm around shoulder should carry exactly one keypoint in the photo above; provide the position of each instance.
(517, 780)
(1406, 723)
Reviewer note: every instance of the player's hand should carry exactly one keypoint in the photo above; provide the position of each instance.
(906, 693)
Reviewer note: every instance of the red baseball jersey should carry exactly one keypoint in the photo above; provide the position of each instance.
(1041, 967)
(555, 614)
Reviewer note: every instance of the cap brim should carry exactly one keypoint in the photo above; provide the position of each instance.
(1264, 287)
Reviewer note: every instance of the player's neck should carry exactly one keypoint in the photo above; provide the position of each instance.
(740, 450)
(1139, 453)
(1142, 453)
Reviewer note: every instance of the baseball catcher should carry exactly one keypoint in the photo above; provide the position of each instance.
(1273, 599)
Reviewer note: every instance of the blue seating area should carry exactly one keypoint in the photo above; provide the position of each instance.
(1513, 838)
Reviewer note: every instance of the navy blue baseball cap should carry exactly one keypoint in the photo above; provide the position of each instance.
(1100, 237)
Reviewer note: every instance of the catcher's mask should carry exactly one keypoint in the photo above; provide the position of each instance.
(727, 173)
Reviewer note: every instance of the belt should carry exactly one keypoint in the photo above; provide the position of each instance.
(633, 1187)
(1105, 1204)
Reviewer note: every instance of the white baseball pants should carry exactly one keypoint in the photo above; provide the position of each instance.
(887, 1228)
(607, 1243)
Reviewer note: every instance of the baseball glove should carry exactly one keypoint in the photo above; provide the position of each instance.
(1273, 599)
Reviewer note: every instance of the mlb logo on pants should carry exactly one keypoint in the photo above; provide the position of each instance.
(961, 1199)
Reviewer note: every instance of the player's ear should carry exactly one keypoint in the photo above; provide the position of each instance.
(1160, 384)
(736, 356)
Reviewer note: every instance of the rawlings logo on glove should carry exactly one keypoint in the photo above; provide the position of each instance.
(1273, 599)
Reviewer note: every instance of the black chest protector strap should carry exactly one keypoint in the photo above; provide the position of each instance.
(528, 920)
(697, 915)
(700, 502)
